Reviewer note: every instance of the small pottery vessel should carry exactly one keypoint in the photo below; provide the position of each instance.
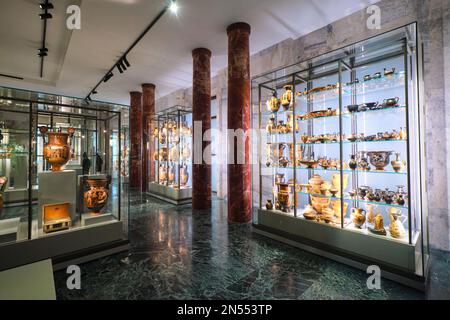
(397, 164)
(186, 152)
(319, 203)
(184, 175)
(400, 200)
(286, 98)
(376, 75)
(337, 208)
(370, 215)
(391, 102)
(389, 72)
(325, 188)
(284, 200)
(57, 147)
(367, 77)
(358, 217)
(309, 213)
(352, 193)
(283, 162)
(271, 126)
(171, 173)
(273, 104)
(279, 178)
(269, 204)
(315, 182)
(378, 225)
(402, 134)
(362, 162)
(336, 179)
(396, 228)
(162, 173)
(363, 191)
(174, 153)
(333, 191)
(379, 159)
(327, 215)
(352, 108)
(97, 195)
(352, 163)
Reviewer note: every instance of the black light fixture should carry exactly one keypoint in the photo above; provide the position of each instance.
(125, 60)
(43, 52)
(45, 16)
(46, 5)
(108, 76)
(122, 64)
(119, 67)
(94, 92)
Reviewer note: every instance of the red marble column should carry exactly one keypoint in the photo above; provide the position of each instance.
(136, 139)
(239, 175)
(201, 111)
(148, 111)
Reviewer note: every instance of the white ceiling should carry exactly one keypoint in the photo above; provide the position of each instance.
(79, 59)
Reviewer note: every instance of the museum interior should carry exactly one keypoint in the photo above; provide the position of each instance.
(209, 149)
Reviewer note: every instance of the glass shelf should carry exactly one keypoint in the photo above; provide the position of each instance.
(344, 142)
(384, 204)
(337, 171)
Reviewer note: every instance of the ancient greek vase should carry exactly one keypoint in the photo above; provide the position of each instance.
(57, 147)
(184, 175)
(97, 196)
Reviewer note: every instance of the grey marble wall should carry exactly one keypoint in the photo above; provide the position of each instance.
(433, 17)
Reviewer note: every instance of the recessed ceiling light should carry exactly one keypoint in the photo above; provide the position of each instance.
(173, 7)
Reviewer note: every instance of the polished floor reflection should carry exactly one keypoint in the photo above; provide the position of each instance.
(178, 253)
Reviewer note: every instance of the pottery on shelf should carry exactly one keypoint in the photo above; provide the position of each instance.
(358, 217)
(391, 102)
(352, 108)
(57, 147)
(315, 182)
(336, 180)
(309, 213)
(269, 204)
(353, 164)
(273, 104)
(389, 72)
(97, 195)
(398, 164)
(370, 215)
(379, 159)
(396, 228)
(337, 206)
(319, 203)
(378, 225)
(184, 175)
(286, 98)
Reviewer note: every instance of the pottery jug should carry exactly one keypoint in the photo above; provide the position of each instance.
(171, 173)
(162, 173)
(57, 147)
(184, 175)
(396, 228)
(269, 205)
(273, 104)
(286, 98)
(186, 152)
(97, 195)
(352, 163)
(359, 217)
(397, 164)
(271, 126)
(370, 215)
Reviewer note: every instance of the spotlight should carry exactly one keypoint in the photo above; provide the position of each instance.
(43, 52)
(119, 67)
(45, 16)
(126, 62)
(173, 7)
(122, 64)
(46, 5)
(108, 76)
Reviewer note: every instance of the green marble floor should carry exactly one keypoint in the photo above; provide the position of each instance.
(178, 253)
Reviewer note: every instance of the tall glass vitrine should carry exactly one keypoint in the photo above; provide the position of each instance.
(341, 152)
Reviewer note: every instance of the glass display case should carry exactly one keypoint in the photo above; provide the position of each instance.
(59, 165)
(172, 157)
(340, 153)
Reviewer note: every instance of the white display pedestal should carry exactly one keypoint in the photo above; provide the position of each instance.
(57, 187)
(8, 229)
(88, 219)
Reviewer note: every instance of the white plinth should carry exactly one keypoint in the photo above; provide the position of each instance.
(57, 187)
(8, 229)
(89, 219)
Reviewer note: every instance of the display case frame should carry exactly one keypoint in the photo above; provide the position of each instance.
(81, 234)
(172, 132)
(307, 133)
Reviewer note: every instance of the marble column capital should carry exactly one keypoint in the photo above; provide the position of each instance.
(241, 27)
